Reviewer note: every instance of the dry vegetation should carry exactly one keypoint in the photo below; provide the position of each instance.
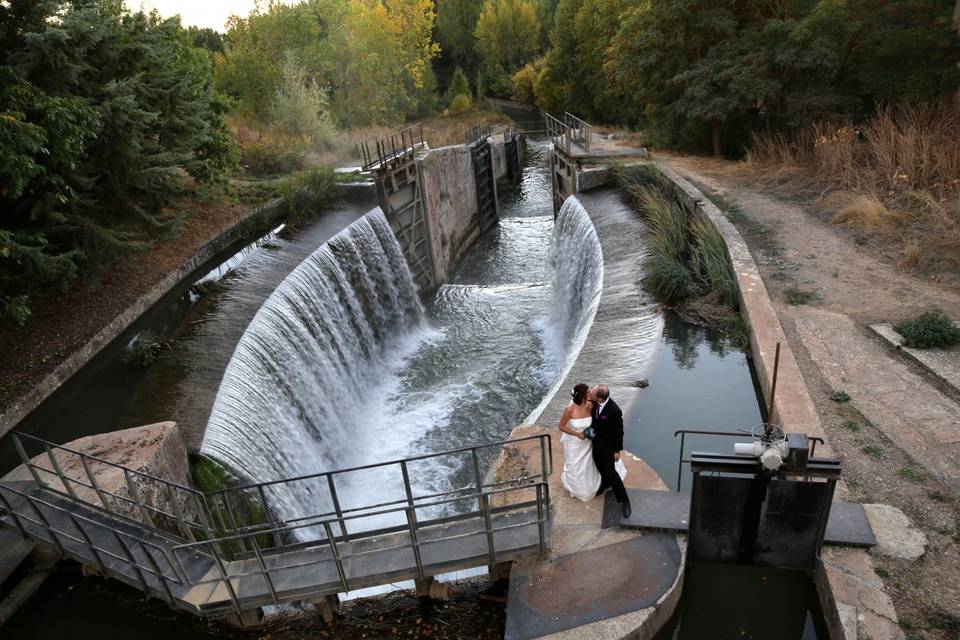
(267, 152)
(895, 177)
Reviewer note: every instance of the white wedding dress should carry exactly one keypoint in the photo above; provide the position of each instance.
(580, 476)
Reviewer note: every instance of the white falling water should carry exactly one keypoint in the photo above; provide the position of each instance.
(294, 398)
(576, 269)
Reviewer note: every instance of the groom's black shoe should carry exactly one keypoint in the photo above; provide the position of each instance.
(626, 510)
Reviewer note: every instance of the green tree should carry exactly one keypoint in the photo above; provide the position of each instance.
(508, 37)
(101, 114)
(459, 85)
(456, 24)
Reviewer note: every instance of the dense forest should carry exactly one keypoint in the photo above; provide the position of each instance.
(108, 117)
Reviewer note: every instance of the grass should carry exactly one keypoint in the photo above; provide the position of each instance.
(881, 572)
(875, 452)
(307, 194)
(839, 395)
(944, 620)
(797, 296)
(938, 496)
(911, 474)
(146, 349)
(931, 329)
(852, 426)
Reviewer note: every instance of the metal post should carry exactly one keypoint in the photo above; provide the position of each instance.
(132, 487)
(266, 510)
(484, 508)
(264, 571)
(336, 506)
(226, 580)
(90, 546)
(132, 561)
(683, 437)
(156, 571)
(93, 482)
(46, 525)
(412, 518)
(182, 524)
(773, 388)
(336, 557)
(16, 517)
(26, 460)
(540, 520)
(59, 472)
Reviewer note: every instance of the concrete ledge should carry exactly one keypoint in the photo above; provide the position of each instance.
(793, 408)
(942, 364)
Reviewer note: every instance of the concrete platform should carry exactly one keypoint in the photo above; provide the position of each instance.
(668, 511)
(576, 533)
(589, 586)
(942, 364)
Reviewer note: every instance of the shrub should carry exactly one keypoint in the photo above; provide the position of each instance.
(522, 85)
(146, 349)
(300, 106)
(15, 310)
(930, 329)
(307, 194)
(459, 85)
(273, 157)
(459, 105)
(839, 395)
(668, 279)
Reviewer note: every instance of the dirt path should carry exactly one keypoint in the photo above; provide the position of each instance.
(898, 435)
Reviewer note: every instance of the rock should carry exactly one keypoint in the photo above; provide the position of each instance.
(155, 450)
(642, 384)
(897, 537)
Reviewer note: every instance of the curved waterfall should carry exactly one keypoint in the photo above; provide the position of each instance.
(576, 260)
(292, 400)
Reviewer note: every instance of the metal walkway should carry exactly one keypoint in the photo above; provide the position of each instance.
(228, 551)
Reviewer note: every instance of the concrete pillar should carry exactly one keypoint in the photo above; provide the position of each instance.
(500, 571)
(328, 607)
(432, 589)
(245, 619)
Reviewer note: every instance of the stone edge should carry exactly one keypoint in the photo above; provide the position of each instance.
(889, 336)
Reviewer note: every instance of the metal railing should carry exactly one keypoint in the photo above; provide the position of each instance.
(558, 132)
(580, 131)
(228, 549)
(47, 522)
(476, 133)
(813, 440)
(379, 150)
(231, 509)
(154, 502)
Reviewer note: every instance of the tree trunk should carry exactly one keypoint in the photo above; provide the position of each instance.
(715, 130)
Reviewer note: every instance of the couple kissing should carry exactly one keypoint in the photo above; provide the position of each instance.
(592, 426)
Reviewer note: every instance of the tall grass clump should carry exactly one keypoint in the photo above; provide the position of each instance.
(688, 265)
(307, 194)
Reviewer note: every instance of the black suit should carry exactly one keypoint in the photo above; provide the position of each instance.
(607, 440)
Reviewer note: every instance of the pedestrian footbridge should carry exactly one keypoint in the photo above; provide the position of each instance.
(232, 552)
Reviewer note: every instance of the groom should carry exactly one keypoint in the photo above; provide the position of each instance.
(608, 443)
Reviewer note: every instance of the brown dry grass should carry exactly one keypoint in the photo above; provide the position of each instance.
(895, 175)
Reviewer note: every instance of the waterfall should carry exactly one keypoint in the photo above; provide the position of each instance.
(576, 271)
(295, 396)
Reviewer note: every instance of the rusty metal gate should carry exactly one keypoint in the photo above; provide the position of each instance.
(487, 212)
(511, 149)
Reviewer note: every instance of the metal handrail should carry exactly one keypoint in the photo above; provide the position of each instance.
(581, 131)
(108, 500)
(476, 133)
(228, 570)
(558, 131)
(376, 151)
(58, 537)
(814, 440)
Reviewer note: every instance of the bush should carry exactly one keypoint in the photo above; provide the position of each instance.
(459, 86)
(15, 310)
(272, 157)
(459, 105)
(146, 349)
(523, 82)
(931, 329)
(300, 106)
(668, 279)
(308, 194)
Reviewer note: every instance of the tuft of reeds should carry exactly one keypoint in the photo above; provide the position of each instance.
(710, 260)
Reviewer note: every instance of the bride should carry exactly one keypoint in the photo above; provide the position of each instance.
(580, 476)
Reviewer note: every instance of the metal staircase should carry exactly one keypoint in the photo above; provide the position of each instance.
(229, 552)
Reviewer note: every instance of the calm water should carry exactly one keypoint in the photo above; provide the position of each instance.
(731, 602)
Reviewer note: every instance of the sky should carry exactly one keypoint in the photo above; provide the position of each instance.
(200, 13)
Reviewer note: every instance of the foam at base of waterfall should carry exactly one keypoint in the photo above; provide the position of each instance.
(576, 259)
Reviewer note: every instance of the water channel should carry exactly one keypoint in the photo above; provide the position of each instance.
(461, 367)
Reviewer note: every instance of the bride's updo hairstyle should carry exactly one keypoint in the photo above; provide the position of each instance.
(579, 393)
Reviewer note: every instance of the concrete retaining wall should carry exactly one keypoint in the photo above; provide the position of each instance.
(450, 195)
(793, 408)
